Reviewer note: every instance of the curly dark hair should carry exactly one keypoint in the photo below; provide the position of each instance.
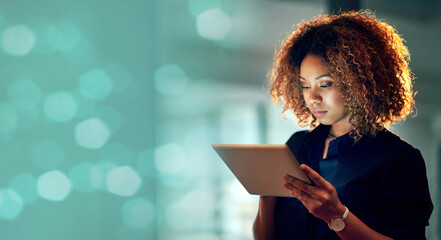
(367, 60)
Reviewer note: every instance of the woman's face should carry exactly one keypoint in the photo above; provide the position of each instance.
(320, 92)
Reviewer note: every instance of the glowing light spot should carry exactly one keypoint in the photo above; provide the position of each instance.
(138, 213)
(26, 186)
(170, 79)
(18, 40)
(60, 107)
(27, 113)
(47, 155)
(111, 116)
(8, 118)
(95, 84)
(145, 164)
(99, 172)
(213, 24)
(81, 176)
(24, 96)
(53, 186)
(170, 158)
(11, 204)
(171, 163)
(123, 181)
(197, 7)
(64, 36)
(24, 90)
(81, 53)
(92, 133)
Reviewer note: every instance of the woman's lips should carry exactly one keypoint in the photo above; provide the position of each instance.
(319, 113)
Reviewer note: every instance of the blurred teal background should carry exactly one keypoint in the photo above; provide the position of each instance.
(108, 110)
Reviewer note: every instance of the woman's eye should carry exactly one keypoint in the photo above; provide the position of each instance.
(326, 85)
(304, 87)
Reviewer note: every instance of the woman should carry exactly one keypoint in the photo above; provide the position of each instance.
(347, 76)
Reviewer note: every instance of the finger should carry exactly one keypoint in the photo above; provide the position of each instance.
(299, 184)
(304, 200)
(314, 176)
(298, 192)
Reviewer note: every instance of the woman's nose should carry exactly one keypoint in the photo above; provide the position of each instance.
(314, 95)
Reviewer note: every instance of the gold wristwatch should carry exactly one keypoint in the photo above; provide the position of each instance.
(339, 224)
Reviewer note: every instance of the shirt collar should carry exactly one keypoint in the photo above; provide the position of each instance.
(315, 140)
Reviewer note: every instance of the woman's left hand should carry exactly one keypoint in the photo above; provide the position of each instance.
(321, 200)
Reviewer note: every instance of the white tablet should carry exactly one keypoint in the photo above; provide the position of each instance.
(260, 168)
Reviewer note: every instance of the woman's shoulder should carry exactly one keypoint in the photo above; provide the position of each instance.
(390, 149)
(388, 140)
(299, 135)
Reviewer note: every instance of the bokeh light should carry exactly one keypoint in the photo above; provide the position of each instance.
(95, 84)
(81, 176)
(123, 181)
(18, 40)
(98, 174)
(64, 36)
(171, 165)
(60, 107)
(26, 186)
(86, 106)
(24, 96)
(8, 118)
(196, 7)
(11, 204)
(47, 155)
(170, 158)
(53, 186)
(138, 213)
(213, 24)
(170, 79)
(24, 89)
(92, 133)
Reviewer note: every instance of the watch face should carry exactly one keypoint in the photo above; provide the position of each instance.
(337, 225)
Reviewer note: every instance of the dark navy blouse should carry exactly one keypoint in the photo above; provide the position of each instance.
(382, 180)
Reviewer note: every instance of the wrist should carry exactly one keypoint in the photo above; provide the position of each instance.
(337, 214)
(339, 224)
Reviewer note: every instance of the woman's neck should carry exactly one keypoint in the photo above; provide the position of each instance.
(339, 129)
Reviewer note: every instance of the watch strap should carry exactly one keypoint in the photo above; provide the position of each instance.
(345, 215)
(341, 221)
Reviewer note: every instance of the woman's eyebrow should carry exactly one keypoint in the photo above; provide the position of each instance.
(322, 76)
(318, 77)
